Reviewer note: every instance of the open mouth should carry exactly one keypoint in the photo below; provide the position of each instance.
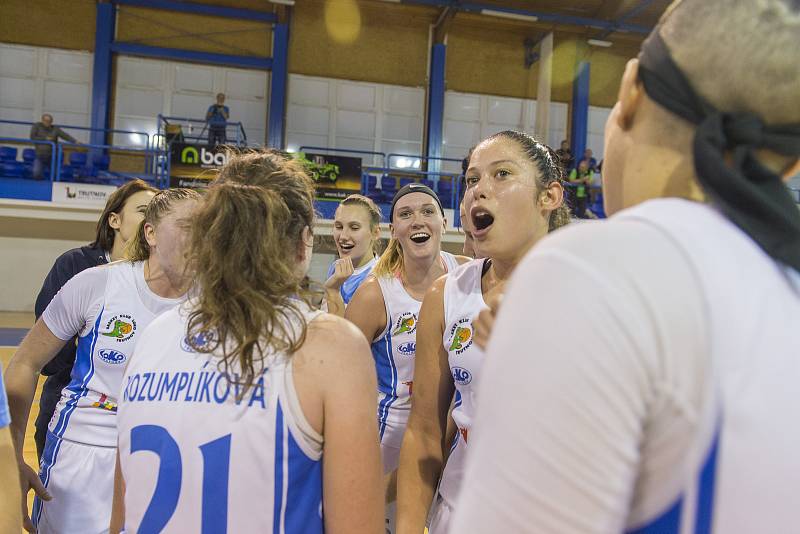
(420, 237)
(482, 219)
(346, 247)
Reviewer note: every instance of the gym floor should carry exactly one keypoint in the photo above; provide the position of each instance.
(13, 327)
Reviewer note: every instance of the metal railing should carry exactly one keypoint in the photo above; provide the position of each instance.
(239, 137)
(92, 170)
(85, 129)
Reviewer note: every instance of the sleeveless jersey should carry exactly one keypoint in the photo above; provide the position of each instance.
(108, 307)
(394, 352)
(463, 301)
(200, 455)
(350, 285)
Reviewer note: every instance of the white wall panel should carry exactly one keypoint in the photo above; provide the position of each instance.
(351, 115)
(186, 90)
(596, 130)
(37, 80)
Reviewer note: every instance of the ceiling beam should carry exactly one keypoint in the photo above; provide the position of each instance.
(552, 18)
(633, 12)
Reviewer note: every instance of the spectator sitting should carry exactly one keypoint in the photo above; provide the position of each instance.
(565, 155)
(217, 117)
(582, 178)
(46, 131)
(588, 158)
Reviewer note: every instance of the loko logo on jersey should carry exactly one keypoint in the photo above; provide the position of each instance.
(461, 376)
(111, 356)
(120, 327)
(461, 335)
(406, 323)
(409, 348)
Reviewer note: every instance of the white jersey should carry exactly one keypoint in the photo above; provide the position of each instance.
(394, 351)
(642, 377)
(199, 455)
(463, 301)
(107, 307)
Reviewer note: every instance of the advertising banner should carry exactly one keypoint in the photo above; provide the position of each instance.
(336, 176)
(82, 194)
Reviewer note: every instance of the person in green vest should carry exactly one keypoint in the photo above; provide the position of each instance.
(581, 178)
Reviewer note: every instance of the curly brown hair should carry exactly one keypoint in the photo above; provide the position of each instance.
(244, 248)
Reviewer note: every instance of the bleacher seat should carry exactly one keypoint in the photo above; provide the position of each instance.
(427, 183)
(406, 181)
(8, 153)
(388, 183)
(445, 191)
(12, 169)
(28, 155)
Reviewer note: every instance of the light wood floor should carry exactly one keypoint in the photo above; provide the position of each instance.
(29, 450)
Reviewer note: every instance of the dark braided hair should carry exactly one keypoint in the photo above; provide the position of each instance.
(546, 160)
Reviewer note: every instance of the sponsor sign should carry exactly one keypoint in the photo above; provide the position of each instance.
(336, 176)
(83, 194)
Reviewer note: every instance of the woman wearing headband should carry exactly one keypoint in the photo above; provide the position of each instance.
(386, 306)
(667, 401)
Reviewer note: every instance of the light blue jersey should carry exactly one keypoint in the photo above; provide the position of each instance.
(352, 283)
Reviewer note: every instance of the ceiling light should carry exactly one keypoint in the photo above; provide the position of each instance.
(599, 42)
(283, 2)
(509, 15)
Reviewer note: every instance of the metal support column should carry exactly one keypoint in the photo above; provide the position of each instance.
(580, 110)
(101, 73)
(436, 106)
(276, 128)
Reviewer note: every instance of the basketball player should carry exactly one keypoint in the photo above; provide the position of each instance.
(10, 516)
(117, 225)
(106, 307)
(356, 231)
(244, 410)
(386, 308)
(666, 401)
(513, 197)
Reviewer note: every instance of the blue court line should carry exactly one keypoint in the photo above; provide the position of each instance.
(12, 337)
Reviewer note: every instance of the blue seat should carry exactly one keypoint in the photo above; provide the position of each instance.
(445, 191)
(101, 162)
(28, 155)
(77, 159)
(426, 182)
(406, 181)
(388, 183)
(8, 153)
(12, 169)
(372, 182)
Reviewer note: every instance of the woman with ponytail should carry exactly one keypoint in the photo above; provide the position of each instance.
(259, 408)
(386, 307)
(513, 198)
(107, 307)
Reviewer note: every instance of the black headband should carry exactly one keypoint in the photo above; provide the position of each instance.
(414, 188)
(751, 196)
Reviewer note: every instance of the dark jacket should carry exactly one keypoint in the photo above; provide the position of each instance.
(59, 369)
(40, 132)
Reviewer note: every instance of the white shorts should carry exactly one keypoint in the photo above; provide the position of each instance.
(80, 478)
(440, 517)
(391, 458)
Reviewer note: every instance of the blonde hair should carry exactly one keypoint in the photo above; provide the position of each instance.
(244, 248)
(138, 249)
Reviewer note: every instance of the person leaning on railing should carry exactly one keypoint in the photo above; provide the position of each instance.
(45, 130)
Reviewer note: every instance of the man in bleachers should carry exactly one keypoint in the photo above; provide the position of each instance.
(565, 155)
(45, 130)
(217, 117)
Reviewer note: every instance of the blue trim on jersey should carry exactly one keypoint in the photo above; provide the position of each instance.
(82, 372)
(458, 400)
(667, 523)
(387, 378)
(304, 496)
(278, 496)
(351, 284)
(670, 521)
(705, 498)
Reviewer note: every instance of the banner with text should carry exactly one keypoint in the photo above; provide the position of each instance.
(336, 176)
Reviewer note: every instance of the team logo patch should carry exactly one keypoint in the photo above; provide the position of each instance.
(105, 404)
(111, 356)
(408, 348)
(461, 335)
(406, 323)
(461, 376)
(121, 327)
(199, 340)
